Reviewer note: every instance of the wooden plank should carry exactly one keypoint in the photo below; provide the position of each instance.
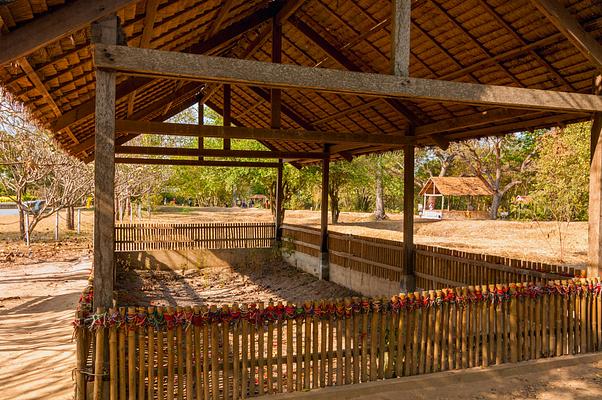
(400, 37)
(55, 25)
(566, 23)
(283, 76)
(205, 163)
(594, 267)
(191, 152)
(173, 129)
(409, 280)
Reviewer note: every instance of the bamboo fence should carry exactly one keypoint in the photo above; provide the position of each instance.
(236, 351)
(142, 237)
(435, 267)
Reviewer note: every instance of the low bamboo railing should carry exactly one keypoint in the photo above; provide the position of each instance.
(241, 351)
(435, 267)
(142, 237)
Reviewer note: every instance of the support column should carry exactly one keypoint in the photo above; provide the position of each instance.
(275, 103)
(279, 205)
(408, 280)
(595, 193)
(227, 111)
(201, 121)
(104, 172)
(324, 262)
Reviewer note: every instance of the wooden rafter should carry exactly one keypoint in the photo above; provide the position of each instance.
(568, 25)
(190, 152)
(149, 22)
(55, 25)
(199, 163)
(283, 76)
(222, 13)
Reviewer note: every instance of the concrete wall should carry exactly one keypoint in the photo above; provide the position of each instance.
(365, 284)
(182, 260)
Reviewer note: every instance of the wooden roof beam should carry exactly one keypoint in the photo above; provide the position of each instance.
(192, 152)
(568, 25)
(222, 13)
(165, 64)
(51, 27)
(288, 10)
(198, 163)
(149, 22)
(237, 132)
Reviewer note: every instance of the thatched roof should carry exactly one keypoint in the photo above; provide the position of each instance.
(456, 186)
(500, 42)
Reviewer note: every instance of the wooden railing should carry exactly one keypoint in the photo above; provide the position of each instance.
(141, 237)
(235, 352)
(435, 267)
(377, 257)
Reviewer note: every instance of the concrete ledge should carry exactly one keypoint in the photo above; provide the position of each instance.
(394, 388)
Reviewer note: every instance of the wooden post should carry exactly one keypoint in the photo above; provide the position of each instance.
(595, 192)
(400, 37)
(56, 226)
(408, 280)
(104, 31)
(279, 205)
(104, 171)
(276, 104)
(201, 121)
(324, 272)
(227, 112)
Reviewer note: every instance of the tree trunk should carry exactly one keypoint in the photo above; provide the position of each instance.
(70, 221)
(495, 205)
(379, 213)
(334, 209)
(21, 223)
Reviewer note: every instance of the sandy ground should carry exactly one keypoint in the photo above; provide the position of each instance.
(37, 303)
(275, 282)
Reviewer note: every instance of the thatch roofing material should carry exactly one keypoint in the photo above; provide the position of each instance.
(456, 186)
(501, 42)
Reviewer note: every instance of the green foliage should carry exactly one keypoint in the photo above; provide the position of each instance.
(561, 180)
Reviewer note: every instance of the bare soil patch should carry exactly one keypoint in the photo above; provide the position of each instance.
(274, 281)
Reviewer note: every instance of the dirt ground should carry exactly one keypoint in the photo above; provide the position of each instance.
(538, 241)
(275, 282)
(37, 303)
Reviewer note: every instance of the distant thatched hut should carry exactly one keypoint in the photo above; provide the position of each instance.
(468, 189)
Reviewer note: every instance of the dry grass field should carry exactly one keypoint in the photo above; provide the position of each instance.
(538, 241)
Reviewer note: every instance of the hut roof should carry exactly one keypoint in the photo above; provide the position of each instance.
(456, 186)
(497, 42)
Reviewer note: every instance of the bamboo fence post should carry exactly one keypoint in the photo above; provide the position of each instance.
(113, 369)
(356, 343)
(151, 355)
(382, 346)
(340, 308)
(141, 352)
(81, 355)
(315, 355)
(289, 349)
(214, 353)
(270, 352)
(393, 322)
(244, 352)
(299, 355)
(99, 360)
(225, 352)
(170, 354)
(260, 353)
(373, 340)
(484, 327)
(236, 354)
(552, 321)
(571, 320)
(538, 339)
(198, 367)
(464, 327)
(206, 347)
(545, 336)
(131, 322)
(427, 334)
(189, 352)
(279, 340)
(513, 325)
(583, 320)
(160, 357)
(323, 343)
(401, 336)
(452, 318)
(180, 350)
(438, 314)
(416, 333)
(364, 340)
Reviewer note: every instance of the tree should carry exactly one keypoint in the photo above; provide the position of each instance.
(32, 164)
(379, 212)
(500, 162)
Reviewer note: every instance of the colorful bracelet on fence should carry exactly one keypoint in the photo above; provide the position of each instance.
(160, 318)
